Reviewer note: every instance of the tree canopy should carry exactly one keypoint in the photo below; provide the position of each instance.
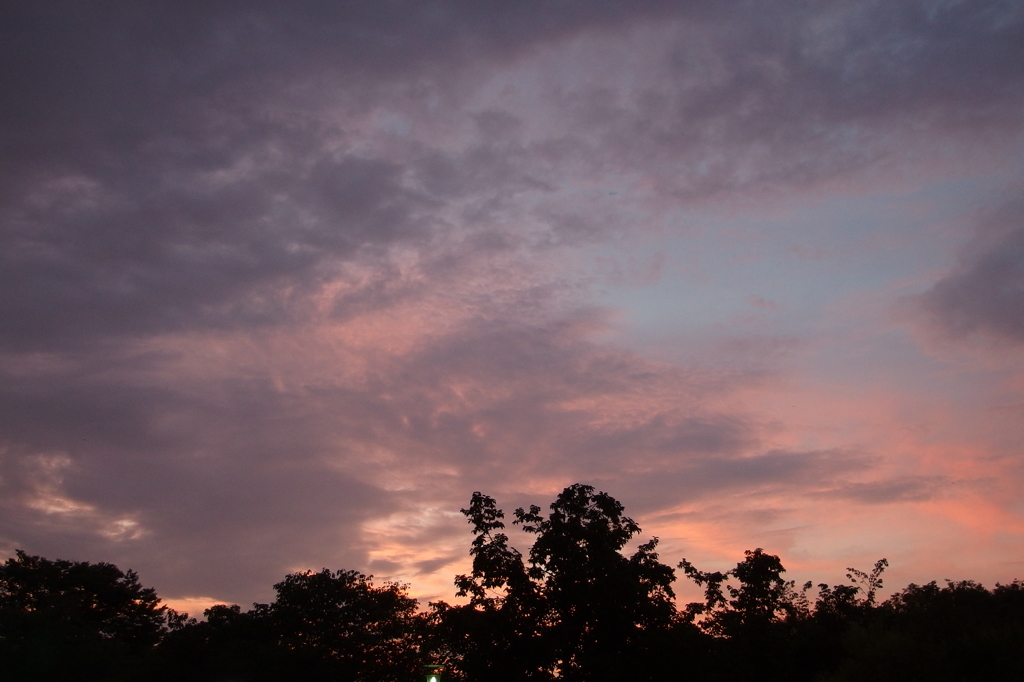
(577, 606)
(73, 619)
(323, 625)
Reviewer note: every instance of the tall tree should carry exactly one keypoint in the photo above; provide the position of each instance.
(751, 610)
(500, 634)
(602, 606)
(579, 610)
(75, 620)
(761, 597)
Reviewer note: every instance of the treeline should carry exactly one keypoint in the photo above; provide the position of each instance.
(574, 609)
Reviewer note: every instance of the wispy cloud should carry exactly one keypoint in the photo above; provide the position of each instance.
(281, 286)
(985, 292)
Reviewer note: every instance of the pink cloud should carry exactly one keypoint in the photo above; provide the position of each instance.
(282, 287)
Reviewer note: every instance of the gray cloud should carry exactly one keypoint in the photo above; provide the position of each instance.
(180, 181)
(792, 97)
(708, 477)
(179, 166)
(234, 478)
(900, 489)
(985, 292)
(230, 469)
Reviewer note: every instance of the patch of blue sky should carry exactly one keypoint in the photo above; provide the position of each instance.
(730, 270)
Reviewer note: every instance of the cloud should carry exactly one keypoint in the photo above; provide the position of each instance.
(178, 485)
(744, 104)
(985, 292)
(262, 460)
(280, 285)
(901, 489)
(702, 479)
(194, 167)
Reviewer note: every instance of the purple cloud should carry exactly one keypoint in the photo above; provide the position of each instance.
(985, 292)
(280, 285)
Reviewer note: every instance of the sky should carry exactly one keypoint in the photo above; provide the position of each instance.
(283, 284)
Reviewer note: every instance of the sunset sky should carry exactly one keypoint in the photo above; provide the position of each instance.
(282, 284)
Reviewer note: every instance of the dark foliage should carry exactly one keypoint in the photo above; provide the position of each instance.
(64, 620)
(229, 644)
(326, 625)
(575, 609)
(580, 609)
(958, 632)
(752, 621)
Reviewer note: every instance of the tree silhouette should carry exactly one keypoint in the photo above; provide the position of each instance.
(499, 635)
(75, 620)
(761, 599)
(229, 645)
(600, 604)
(958, 632)
(573, 609)
(580, 610)
(341, 617)
(323, 625)
(755, 623)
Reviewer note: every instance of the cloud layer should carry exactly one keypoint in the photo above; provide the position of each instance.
(282, 286)
(985, 292)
